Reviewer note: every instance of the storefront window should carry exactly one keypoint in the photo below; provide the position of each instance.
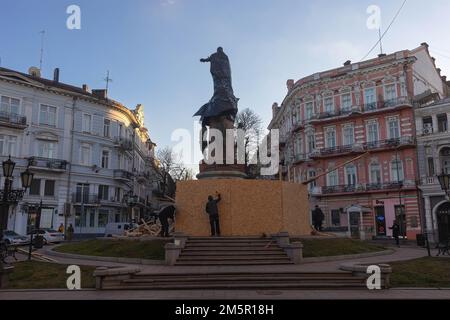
(103, 218)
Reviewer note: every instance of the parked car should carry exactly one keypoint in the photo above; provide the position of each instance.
(118, 228)
(14, 238)
(50, 235)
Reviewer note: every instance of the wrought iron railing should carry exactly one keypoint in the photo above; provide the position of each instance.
(13, 118)
(48, 163)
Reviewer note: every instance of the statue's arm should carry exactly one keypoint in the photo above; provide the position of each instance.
(205, 60)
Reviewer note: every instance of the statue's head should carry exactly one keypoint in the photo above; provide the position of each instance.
(220, 49)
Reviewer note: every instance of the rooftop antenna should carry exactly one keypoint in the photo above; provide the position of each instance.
(380, 38)
(108, 80)
(42, 33)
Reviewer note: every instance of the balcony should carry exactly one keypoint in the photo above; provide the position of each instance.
(143, 176)
(299, 158)
(12, 120)
(298, 125)
(362, 188)
(123, 175)
(339, 150)
(392, 103)
(429, 181)
(47, 164)
(390, 143)
(83, 198)
(123, 143)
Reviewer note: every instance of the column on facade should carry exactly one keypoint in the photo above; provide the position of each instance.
(435, 122)
(428, 215)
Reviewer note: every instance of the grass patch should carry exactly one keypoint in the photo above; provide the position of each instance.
(336, 247)
(427, 272)
(117, 248)
(43, 275)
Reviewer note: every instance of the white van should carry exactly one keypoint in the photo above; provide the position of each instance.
(117, 228)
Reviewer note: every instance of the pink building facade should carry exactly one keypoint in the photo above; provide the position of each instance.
(354, 129)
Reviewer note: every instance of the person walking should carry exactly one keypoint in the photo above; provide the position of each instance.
(164, 215)
(61, 228)
(317, 218)
(213, 212)
(396, 232)
(70, 232)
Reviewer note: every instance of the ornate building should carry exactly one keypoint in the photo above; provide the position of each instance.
(89, 153)
(353, 129)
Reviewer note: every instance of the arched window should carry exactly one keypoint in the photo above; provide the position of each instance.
(397, 174)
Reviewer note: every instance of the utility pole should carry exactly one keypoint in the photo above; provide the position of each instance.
(42, 33)
(107, 80)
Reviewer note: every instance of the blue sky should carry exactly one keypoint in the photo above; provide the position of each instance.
(152, 48)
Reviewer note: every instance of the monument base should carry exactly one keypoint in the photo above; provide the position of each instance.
(247, 208)
(221, 171)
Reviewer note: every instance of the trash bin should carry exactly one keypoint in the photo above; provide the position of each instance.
(420, 238)
(38, 242)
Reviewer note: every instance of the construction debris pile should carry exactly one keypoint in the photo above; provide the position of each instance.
(151, 228)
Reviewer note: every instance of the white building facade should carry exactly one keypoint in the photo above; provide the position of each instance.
(88, 153)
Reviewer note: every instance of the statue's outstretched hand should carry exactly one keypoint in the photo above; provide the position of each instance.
(202, 60)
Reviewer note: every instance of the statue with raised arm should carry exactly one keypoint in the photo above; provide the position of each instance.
(223, 102)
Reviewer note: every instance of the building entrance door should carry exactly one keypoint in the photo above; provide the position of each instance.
(355, 222)
(443, 219)
(380, 221)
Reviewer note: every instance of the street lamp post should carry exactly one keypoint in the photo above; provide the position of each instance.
(10, 196)
(131, 200)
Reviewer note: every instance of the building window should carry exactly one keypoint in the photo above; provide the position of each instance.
(120, 130)
(330, 137)
(309, 108)
(332, 178)
(348, 135)
(85, 156)
(397, 171)
(427, 123)
(375, 173)
(35, 188)
(82, 193)
(394, 128)
(8, 145)
(350, 175)
(311, 174)
(328, 105)
(390, 92)
(47, 115)
(336, 218)
(442, 122)
(370, 99)
(118, 194)
(311, 142)
(372, 131)
(298, 145)
(9, 105)
(446, 166)
(49, 188)
(105, 159)
(87, 123)
(431, 171)
(103, 216)
(47, 149)
(103, 192)
(106, 128)
(346, 102)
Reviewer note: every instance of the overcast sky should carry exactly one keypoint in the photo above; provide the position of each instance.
(152, 48)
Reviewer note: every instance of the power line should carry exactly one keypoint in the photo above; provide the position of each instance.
(387, 29)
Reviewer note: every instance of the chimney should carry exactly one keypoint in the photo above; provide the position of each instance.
(99, 93)
(347, 63)
(290, 84)
(34, 72)
(275, 109)
(56, 75)
(86, 88)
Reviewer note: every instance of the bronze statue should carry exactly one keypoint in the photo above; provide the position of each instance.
(223, 102)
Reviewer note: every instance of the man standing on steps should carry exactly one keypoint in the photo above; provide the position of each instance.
(213, 212)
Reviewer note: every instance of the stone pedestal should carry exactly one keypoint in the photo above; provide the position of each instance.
(172, 253)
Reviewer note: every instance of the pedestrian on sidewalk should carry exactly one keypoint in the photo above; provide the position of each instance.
(396, 232)
(61, 228)
(317, 218)
(70, 232)
(213, 212)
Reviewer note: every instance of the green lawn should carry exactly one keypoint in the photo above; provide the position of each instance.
(117, 248)
(427, 272)
(335, 247)
(42, 275)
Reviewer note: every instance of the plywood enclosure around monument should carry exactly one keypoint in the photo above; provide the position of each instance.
(248, 207)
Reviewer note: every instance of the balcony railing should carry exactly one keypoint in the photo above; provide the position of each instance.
(389, 143)
(122, 174)
(351, 188)
(13, 119)
(337, 150)
(300, 158)
(84, 198)
(123, 143)
(429, 180)
(47, 163)
(392, 103)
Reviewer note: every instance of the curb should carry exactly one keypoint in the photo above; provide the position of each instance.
(348, 256)
(50, 252)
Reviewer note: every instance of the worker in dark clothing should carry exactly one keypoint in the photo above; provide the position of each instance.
(213, 212)
(164, 215)
(396, 232)
(317, 218)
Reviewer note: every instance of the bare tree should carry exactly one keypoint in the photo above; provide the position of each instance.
(169, 169)
(251, 123)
